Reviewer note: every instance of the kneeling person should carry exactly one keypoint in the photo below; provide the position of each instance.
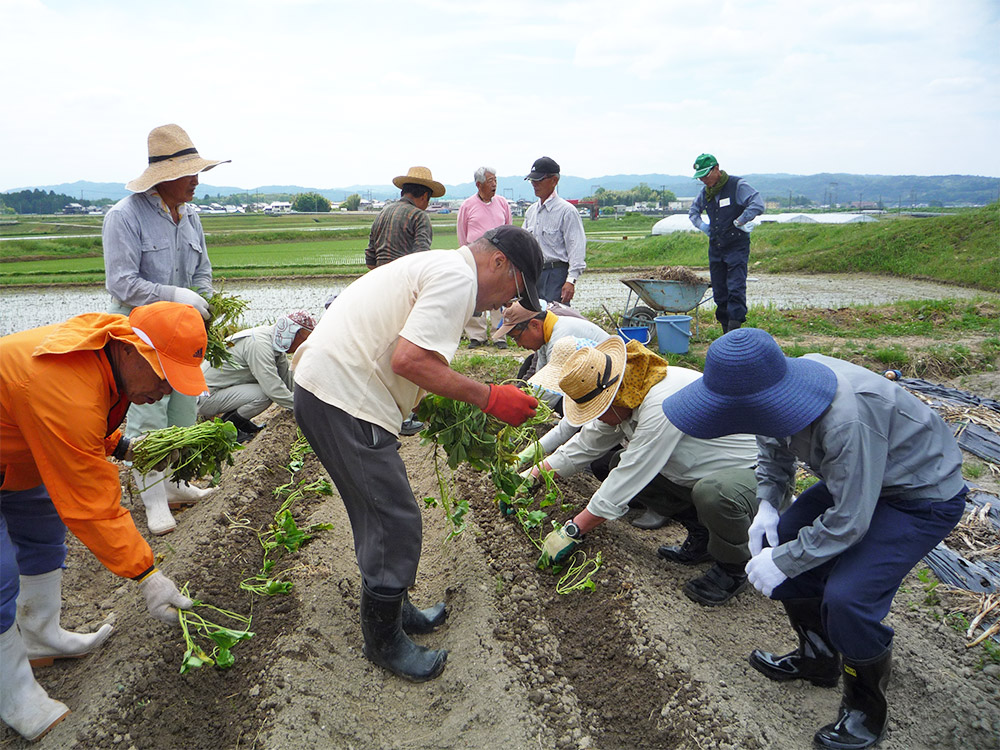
(706, 485)
(257, 374)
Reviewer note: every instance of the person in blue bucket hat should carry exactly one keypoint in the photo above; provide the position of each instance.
(890, 489)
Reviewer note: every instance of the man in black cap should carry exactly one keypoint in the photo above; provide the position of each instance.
(556, 225)
(363, 369)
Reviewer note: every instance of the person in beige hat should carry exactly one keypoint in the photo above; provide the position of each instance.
(708, 486)
(401, 228)
(154, 250)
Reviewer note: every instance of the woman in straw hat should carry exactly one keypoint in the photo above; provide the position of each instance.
(615, 393)
(154, 250)
(891, 488)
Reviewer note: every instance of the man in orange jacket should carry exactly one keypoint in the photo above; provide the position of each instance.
(64, 390)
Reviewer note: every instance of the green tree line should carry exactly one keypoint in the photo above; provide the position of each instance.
(40, 202)
(641, 193)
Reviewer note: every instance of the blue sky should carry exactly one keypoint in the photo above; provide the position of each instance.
(329, 93)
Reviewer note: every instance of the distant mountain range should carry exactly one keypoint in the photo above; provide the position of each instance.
(824, 188)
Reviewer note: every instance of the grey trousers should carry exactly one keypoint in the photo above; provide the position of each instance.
(363, 462)
(247, 399)
(726, 503)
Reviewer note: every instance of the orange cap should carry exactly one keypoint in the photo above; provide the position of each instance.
(177, 333)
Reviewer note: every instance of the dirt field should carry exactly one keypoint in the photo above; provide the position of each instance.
(632, 665)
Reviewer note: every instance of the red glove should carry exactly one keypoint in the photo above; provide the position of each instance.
(511, 404)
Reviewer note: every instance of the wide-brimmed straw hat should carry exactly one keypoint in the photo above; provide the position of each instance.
(591, 376)
(172, 155)
(420, 176)
(177, 333)
(750, 386)
(561, 350)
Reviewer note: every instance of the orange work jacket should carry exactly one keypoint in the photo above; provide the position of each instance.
(59, 415)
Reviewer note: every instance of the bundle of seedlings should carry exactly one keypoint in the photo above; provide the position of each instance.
(226, 311)
(187, 453)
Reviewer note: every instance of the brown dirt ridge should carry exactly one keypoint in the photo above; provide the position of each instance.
(633, 665)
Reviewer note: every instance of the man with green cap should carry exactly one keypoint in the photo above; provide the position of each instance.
(731, 204)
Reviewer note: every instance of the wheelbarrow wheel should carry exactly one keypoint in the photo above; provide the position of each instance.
(638, 316)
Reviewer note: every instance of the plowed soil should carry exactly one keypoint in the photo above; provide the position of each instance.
(631, 665)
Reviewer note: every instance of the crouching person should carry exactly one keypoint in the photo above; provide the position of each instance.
(64, 390)
(891, 488)
(257, 373)
(383, 342)
(706, 485)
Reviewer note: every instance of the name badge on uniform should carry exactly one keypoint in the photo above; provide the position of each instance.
(724, 202)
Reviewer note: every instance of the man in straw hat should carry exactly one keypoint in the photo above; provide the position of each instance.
(890, 489)
(708, 486)
(401, 228)
(362, 371)
(257, 373)
(64, 390)
(154, 250)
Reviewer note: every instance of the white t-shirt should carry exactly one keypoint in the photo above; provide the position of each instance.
(425, 297)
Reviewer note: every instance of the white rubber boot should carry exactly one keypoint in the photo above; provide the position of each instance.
(38, 608)
(181, 494)
(24, 704)
(152, 488)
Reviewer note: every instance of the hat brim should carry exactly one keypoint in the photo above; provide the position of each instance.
(788, 406)
(436, 188)
(702, 172)
(536, 176)
(173, 169)
(579, 414)
(186, 379)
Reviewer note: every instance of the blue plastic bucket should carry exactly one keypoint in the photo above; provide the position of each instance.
(635, 333)
(673, 333)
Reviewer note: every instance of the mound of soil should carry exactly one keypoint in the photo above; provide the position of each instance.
(633, 664)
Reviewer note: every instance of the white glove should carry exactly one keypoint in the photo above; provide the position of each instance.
(529, 454)
(705, 228)
(748, 227)
(189, 297)
(162, 598)
(765, 523)
(763, 573)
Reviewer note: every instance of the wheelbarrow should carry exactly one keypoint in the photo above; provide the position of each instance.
(662, 296)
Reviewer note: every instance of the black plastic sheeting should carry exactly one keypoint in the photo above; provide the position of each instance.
(981, 441)
(943, 392)
(981, 576)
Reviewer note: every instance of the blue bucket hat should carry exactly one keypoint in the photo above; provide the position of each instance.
(750, 386)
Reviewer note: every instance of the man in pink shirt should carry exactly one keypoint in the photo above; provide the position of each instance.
(480, 213)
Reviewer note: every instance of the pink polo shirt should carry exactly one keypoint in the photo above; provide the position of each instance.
(475, 218)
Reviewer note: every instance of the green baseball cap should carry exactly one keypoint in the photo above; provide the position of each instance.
(703, 165)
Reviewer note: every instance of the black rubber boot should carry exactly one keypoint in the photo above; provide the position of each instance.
(814, 660)
(864, 711)
(419, 621)
(694, 550)
(721, 583)
(245, 429)
(388, 646)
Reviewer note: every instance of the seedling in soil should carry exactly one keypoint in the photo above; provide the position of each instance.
(223, 638)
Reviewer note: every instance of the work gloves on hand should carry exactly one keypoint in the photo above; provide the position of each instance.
(765, 524)
(763, 573)
(530, 455)
(189, 297)
(162, 597)
(510, 404)
(748, 227)
(557, 547)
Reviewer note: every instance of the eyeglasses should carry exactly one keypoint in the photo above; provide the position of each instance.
(517, 284)
(517, 330)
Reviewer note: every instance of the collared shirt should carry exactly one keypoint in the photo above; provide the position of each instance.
(347, 361)
(876, 440)
(745, 196)
(557, 226)
(400, 229)
(654, 447)
(253, 359)
(146, 254)
(476, 217)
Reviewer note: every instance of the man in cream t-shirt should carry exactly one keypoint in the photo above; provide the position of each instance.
(383, 342)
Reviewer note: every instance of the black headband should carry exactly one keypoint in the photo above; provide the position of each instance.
(603, 383)
(183, 152)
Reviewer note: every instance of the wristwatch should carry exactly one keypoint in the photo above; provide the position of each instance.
(572, 530)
